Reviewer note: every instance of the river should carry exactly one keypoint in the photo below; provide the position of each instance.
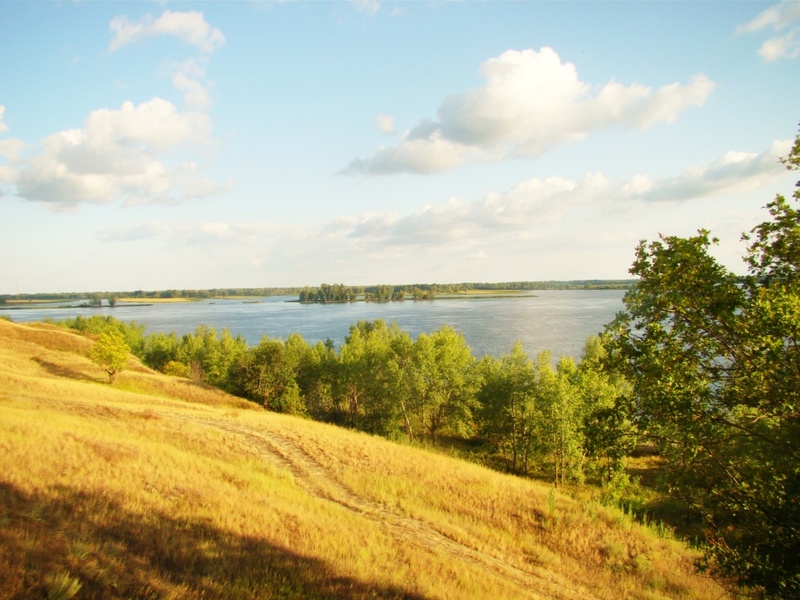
(555, 320)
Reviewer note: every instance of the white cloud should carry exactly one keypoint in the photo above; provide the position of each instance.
(432, 155)
(733, 172)
(533, 203)
(187, 79)
(547, 225)
(368, 7)
(536, 204)
(782, 17)
(530, 103)
(137, 154)
(385, 123)
(189, 27)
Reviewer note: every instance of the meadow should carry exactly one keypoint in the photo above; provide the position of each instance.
(162, 487)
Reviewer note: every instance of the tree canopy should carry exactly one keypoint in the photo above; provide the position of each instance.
(714, 360)
(110, 352)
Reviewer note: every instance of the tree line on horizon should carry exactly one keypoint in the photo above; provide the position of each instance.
(254, 292)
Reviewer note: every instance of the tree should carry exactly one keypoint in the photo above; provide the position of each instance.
(714, 360)
(268, 374)
(372, 377)
(110, 352)
(509, 414)
(609, 433)
(443, 383)
(561, 407)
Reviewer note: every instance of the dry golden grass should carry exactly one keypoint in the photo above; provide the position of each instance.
(159, 488)
(138, 299)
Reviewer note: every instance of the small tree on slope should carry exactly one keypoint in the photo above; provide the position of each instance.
(110, 352)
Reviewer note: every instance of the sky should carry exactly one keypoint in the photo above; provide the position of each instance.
(197, 145)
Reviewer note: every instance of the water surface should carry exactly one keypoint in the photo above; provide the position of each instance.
(555, 320)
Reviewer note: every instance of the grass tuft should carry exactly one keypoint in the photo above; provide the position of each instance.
(61, 586)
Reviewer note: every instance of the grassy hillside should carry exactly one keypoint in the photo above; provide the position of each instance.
(157, 487)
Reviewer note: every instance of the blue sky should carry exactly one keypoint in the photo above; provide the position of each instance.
(158, 145)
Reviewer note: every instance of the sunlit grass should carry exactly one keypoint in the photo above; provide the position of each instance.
(141, 300)
(157, 487)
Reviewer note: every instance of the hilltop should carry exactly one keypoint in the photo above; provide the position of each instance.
(160, 487)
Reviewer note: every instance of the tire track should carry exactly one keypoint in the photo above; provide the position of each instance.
(319, 482)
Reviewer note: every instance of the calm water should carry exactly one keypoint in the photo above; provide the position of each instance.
(559, 321)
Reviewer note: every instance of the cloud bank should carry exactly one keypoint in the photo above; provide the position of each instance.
(530, 208)
(530, 103)
(536, 203)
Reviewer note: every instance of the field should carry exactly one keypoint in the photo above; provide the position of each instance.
(158, 487)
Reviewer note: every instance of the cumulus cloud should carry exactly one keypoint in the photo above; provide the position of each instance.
(536, 203)
(533, 203)
(136, 154)
(190, 27)
(735, 171)
(531, 102)
(783, 20)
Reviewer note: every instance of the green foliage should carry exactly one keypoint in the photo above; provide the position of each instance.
(176, 369)
(326, 294)
(133, 333)
(159, 349)
(442, 385)
(209, 356)
(372, 375)
(715, 365)
(110, 352)
(509, 414)
(268, 372)
(555, 421)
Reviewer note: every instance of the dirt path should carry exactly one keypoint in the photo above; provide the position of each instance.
(321, 483)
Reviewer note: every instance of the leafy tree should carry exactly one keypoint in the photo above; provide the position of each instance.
(609, 433)
(715, 364)
(159, 349)
(133, 333)
(443, 383)
(268, 374)
(209, 356)
(372, 376)
(110, 352)
(509, 415)
(561, 407)
(316, 375)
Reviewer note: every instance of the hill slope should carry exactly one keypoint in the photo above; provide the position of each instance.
(157, 487)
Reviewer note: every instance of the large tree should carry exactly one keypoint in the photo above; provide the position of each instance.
(443, 384)
(714, 359)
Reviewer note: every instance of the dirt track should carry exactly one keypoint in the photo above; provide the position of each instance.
(321, 483)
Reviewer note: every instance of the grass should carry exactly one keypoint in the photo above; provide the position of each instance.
(141, 300)
(156, 487)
